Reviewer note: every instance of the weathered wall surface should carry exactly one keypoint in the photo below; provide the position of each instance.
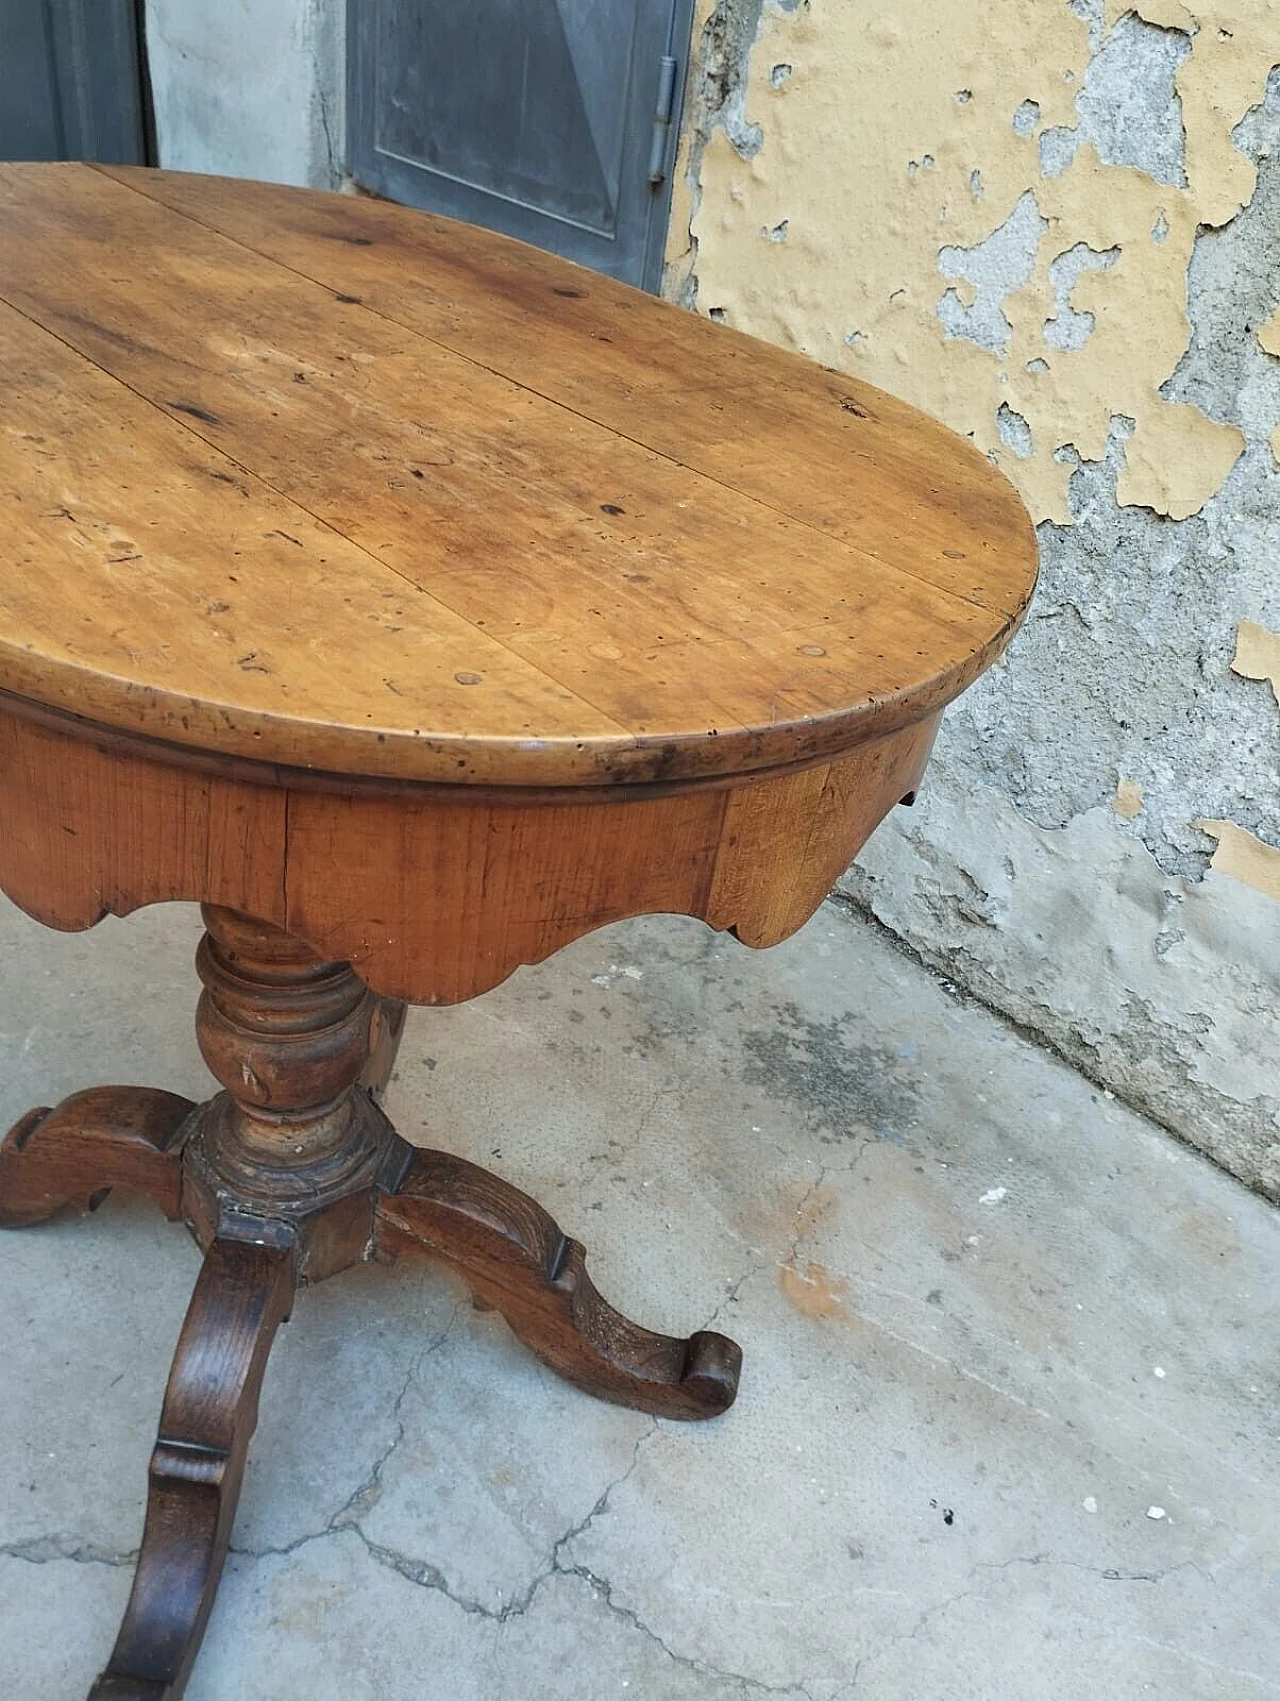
(251, 89)
(1056, 225)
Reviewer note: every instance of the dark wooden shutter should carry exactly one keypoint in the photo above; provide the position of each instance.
(72, 81)
(552, 120)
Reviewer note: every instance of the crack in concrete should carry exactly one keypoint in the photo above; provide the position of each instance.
(603, 1591)
(364, 1497)
(422, 1574)
(48, 1550)
(1108, 1574)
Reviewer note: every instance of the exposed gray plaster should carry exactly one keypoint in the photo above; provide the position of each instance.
(1026, 117)
(1129, 107)
(1104, 943)
(1234, 287)
(1109, 680)
(1057, 149)
(1069, 328)
(995, 267)
(1014, 431)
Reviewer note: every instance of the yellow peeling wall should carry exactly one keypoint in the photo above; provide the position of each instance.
(839, 168)
(889, 136)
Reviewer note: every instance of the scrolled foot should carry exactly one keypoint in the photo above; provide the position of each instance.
(75, 1154)
(243, 1293)
(516, 1260)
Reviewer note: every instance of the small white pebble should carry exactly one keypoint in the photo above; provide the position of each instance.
(1089, 1503)
(1107, 1093)
(633, 973)
(1156, 1512)
(993, 1195)
(1158, 1371)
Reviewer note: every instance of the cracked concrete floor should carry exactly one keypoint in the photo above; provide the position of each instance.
(993, 1322)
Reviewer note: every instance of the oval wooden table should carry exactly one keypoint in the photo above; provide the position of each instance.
(417, 602)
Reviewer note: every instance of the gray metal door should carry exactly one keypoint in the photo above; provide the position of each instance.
(552, 120)
(71, 81)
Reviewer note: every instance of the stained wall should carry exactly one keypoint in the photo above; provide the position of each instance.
(254, 89)
(1055, 224)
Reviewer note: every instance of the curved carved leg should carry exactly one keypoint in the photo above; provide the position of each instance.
(243, 1293)
(516, 1260)
(74, 1155)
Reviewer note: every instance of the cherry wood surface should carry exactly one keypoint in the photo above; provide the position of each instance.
(439, 894)
(417, 602)
(325, 482)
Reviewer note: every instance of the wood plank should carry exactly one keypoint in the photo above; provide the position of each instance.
(818, 445)
(153, 583)
(536, 598)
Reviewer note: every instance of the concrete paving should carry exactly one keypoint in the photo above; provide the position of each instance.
(1007, 1428)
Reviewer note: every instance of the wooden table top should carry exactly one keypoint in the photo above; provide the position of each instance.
(320, 481)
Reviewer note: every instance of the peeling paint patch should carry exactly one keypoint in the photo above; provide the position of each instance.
(1027, 118)
(1069, 328)
(994, 269)
(1244, 858)
(1129, 106)
(1130, 111)
(1257, 654)
(1014, 431)
(1128, 800)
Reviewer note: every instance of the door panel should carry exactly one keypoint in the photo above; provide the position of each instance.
(71, 81)
(531, 116)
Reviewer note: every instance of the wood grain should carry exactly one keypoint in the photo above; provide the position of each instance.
(437, 895)
(815, 444)
(242, 1295)
(75, 1154)
(455, 529)
(516, 1260)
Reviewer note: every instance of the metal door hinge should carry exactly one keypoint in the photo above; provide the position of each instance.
(662, 120)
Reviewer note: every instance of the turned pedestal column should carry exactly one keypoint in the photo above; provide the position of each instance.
(289, 1175)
